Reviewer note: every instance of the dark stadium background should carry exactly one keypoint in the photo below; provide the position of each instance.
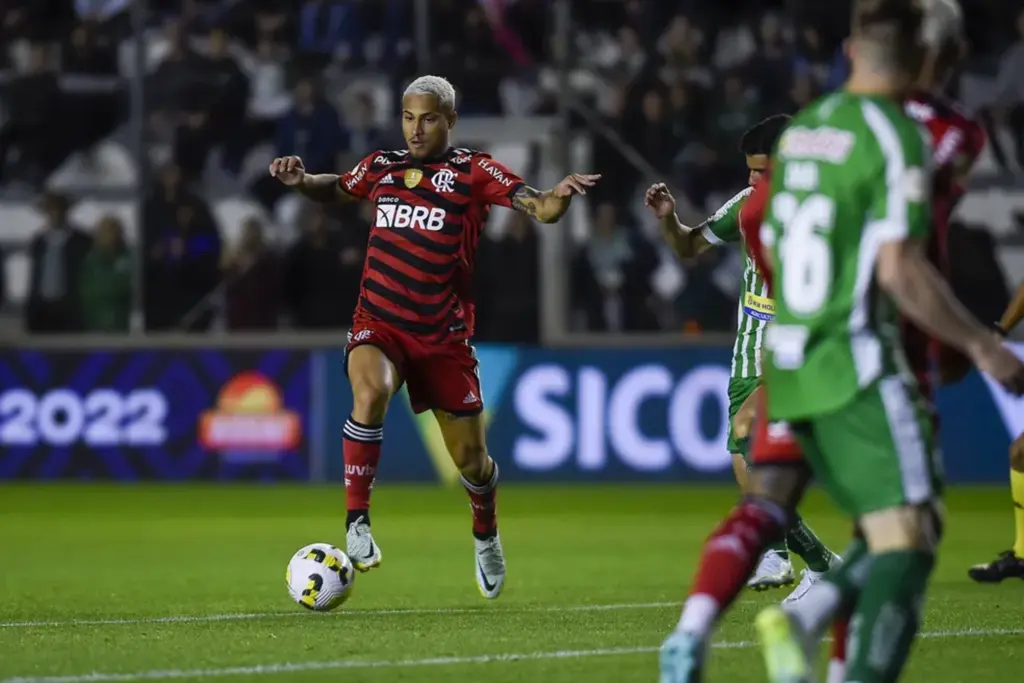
(139, 488)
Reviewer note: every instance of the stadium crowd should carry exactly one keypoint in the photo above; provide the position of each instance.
(677, 81)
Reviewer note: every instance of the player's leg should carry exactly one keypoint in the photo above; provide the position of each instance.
(876, 458)
(374, 381)
(1009, 564)
(449, 384)
(732, 551)
(801, 540)
(774, 569)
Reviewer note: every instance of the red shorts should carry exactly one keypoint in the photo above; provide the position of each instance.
(772, 443)
(438, 376)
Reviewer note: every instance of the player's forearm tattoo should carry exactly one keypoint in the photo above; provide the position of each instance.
(525, 200)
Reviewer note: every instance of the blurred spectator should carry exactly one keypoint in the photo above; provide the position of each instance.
(310, 130)
(269, 100)
(57, 254)
(771, 67)
(212, 111)
(477, 65)
(318, 281)
(182, 269)
(610, 277)
(161, 207)
(34, 123)
(1010, 97)
(653, 137)
(330, 29)
(89, 52)
(365, 135)
(106, 280)
(176, 79)
(508, 284)
(253, 282)
(3, 278)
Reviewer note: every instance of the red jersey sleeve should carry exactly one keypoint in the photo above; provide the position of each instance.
(492, 182)
(751, 217)
(357, 181)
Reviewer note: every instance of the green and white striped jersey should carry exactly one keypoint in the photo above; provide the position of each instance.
(755, 307)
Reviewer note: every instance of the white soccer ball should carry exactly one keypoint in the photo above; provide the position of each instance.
(320, 577)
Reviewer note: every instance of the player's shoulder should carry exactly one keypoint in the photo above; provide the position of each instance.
(383, 158)
(731, 205)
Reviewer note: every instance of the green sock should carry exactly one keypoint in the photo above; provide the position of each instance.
(888, 615)
(836, 593)
(850, 576)
(780, 548)
(802, 541)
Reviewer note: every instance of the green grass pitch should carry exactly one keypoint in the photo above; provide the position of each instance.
(106, 583)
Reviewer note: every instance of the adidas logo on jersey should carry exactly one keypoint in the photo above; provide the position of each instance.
(406, 216)
(470, 397)
(387, 180)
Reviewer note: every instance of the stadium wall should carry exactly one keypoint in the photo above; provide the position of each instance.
(276, 415)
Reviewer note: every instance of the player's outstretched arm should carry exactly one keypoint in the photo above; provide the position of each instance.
(916, 287)
(322, 187)
(685, 241)
(550, 206)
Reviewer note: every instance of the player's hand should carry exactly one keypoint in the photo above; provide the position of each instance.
(998, 362)
(659, 200)
(577, 183)
(289, 170)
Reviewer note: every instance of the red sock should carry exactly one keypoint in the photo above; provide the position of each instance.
(361, 448)
(483, 500)
(732, 551)
(840, 628)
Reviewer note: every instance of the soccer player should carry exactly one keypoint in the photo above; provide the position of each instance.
(845, 228)
(1010, 563)
(755, 309)
(414, 319)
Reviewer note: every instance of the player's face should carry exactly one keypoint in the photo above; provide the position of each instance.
(757, 165)
(425, 125)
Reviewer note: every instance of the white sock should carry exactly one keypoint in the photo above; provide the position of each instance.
(836, 671)
(699, 614)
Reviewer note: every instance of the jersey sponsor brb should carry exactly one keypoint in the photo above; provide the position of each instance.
(427, 223)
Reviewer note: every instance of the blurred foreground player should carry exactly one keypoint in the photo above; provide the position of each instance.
(957, 144)
(414, 319)
(846, 230)
(1010, 563)
(755, 311)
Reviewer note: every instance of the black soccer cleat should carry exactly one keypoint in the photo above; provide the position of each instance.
(1006, 566)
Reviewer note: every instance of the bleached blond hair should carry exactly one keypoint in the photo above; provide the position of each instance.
(437, 86)
(943, 22)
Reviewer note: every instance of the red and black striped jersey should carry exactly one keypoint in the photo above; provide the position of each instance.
(427, 224)
(957, 141)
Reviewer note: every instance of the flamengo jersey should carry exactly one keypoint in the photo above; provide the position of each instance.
(851, 173)
(957, 141)
(427, 224)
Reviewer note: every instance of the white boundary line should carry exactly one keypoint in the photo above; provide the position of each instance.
(198, 619)
(268, 669)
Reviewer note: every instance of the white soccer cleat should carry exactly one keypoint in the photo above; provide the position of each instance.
(772, 572)
(808, 578)
(361, 548)
(490, 566)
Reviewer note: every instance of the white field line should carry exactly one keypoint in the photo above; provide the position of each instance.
(199, 619)
(268, 669)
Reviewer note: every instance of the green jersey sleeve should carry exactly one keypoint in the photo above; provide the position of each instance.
(724, 225)
(901, 206)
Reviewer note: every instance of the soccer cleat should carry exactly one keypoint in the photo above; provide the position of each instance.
(681, 659)
(809, 577)
(782, 645)
(361, 548)
(772, 572)
(490, 566)
(1006, 566)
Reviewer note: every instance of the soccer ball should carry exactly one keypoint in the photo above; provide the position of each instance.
(320, 577)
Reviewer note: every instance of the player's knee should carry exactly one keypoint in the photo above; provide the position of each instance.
(905, 528)
(783, 485)
(1017, 454)
(471, 460)
(370, 401)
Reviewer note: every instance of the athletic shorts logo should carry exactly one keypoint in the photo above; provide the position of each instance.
(406, 216)
(444, 181)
